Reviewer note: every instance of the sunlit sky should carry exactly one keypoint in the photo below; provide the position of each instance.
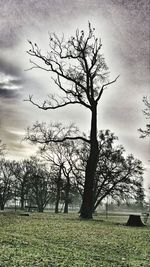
(123, 26)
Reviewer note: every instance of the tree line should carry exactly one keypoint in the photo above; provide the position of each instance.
(57, 175)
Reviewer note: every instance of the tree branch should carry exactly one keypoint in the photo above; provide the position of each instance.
(50, 106)
(55, 133)
(66, 138)
(103, 87)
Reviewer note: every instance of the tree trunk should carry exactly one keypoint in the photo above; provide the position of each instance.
(66, 207)
(57, 205)
(1, 203)
(58, 191)
(2, 206)
(134, 220)
(67, 190)
(22, 202)
(88, 195)
(40, 209)
(39, 201)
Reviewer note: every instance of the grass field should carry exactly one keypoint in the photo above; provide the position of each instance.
(49, 240)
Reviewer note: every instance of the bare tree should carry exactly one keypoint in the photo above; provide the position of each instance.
(81, 74)
(6, 182)
(146, 111)
(2, 148)
(57, 184)
(67, 187)
(40, 184)
(21, 171)
(116, 175)
(58, 156)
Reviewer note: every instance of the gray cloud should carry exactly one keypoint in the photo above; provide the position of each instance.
(9, 38)
(131, 19)
(7, 66)
(9, 86)
(8, 93)
(16, 16)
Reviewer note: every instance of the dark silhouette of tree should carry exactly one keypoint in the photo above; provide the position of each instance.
(116, 175)
(53, 154)
(58, 155)
(40, 184)
(58, 188)
(6, 182)
(81, 74)
(21, 171)
(146, 111)
(67, 187)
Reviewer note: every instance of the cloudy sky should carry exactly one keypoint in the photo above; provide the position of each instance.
(123, 26)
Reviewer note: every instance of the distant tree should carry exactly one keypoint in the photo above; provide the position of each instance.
(81, 75)
(2, 148)
(21, 171)
(6, 182)
(53, 154)
(57, 185)
(140, 197)
(146, 111)
(58, 155)
(67, 186)
(40, 191)
(116, 175)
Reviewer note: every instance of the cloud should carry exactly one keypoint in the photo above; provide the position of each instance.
(17, 16)
(8, 93)
(16, 147)
(9, 86)
(9, 38)
(9, 68)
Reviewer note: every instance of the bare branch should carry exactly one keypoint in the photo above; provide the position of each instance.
(84, 50)
(50, 106)
(146, 111)
(55, 133)
(103, 87)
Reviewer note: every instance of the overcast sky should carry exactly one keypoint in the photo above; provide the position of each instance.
(123, 26)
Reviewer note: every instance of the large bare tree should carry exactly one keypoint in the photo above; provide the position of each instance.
(81, 75)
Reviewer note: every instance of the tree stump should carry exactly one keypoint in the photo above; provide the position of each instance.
(134, 220)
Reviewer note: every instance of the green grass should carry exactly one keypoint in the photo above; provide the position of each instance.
(49, 240)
